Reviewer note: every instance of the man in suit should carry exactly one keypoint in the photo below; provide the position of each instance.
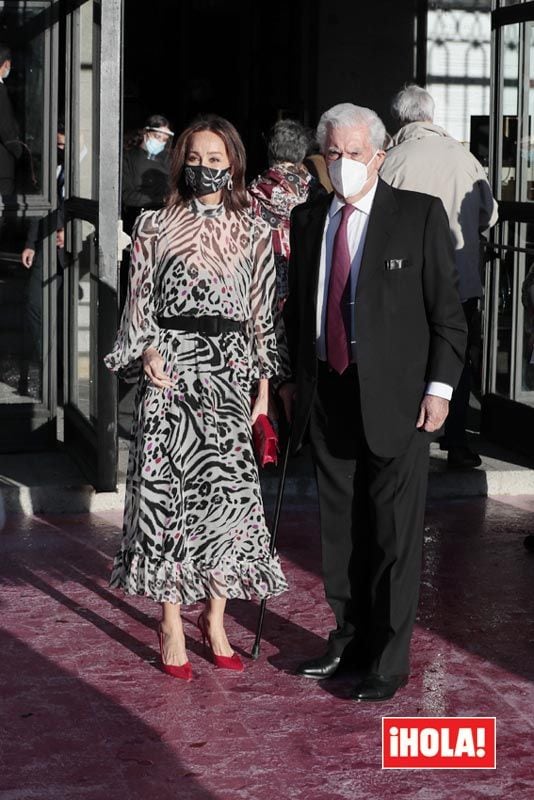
(377, 338)
(40, 229)
(10, 146)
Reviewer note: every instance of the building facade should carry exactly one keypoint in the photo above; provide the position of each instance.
(101, 66)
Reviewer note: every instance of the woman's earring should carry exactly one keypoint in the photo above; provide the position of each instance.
(230, 184)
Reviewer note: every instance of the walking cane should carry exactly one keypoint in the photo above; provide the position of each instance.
(276, 519)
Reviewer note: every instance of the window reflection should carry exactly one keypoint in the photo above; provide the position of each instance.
(458, 62)
(27, 285)
(82, 266)
(21, 304)
(22, 105)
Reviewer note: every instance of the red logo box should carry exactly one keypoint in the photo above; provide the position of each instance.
(438, 743)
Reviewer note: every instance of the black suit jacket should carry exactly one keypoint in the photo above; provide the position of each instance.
(10, 147)
(410, 326)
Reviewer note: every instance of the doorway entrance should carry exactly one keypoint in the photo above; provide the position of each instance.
(70, 289)
(508, 373)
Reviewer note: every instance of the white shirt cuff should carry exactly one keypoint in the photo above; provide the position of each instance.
(439, 389)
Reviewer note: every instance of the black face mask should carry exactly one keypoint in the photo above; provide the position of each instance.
(203, 180)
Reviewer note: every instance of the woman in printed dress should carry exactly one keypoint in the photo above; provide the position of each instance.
(197, 335)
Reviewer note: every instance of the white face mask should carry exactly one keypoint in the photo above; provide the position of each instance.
(348, 177)
(6, 73)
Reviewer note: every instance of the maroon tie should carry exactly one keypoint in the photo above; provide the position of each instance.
(338, 352)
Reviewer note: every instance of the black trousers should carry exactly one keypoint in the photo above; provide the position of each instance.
(372, 514)
(455, 424)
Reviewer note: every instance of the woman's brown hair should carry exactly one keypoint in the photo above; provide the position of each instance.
(235, 199)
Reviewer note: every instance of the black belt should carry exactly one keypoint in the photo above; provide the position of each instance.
(207, 326)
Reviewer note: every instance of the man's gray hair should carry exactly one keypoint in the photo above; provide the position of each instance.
(413, 104)
(347, 115)
(288, 141)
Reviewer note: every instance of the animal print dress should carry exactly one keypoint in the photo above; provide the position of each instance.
(194, 524)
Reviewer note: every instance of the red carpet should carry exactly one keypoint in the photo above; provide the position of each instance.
(86, 714)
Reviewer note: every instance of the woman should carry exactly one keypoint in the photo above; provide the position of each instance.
(286, 184)
(198, 322)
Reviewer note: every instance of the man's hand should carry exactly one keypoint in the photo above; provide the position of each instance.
(153, 368)
(433, 413)
(27, 257)
(287, 393)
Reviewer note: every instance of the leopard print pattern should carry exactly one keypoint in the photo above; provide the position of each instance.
(194, 523)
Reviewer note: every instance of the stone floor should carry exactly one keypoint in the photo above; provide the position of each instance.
(87, 715)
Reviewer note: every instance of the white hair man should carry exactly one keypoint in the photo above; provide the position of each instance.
(376, 337)
(425, 158)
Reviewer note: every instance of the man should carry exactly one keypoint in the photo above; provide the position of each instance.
(424, 158)
(10, 146)
(39, 228)
(376, 337)
(32, 259)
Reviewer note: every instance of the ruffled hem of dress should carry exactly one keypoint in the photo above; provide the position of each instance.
(189, 582)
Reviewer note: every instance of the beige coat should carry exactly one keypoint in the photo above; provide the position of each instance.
(424, 158)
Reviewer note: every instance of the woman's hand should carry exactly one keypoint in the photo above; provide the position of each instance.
(153, 368)
(261, 405)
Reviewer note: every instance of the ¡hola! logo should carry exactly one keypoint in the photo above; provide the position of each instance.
(438, 743)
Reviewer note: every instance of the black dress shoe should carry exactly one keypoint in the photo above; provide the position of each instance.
(378, 687)
(318, 668)
(462, 458)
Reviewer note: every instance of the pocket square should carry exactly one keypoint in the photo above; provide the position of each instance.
(396, 263)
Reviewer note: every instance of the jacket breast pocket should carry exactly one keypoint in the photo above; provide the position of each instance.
(396, 265)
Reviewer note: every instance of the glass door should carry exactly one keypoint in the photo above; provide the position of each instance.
(92, 157)
(509, 280)
(508, 374)
(29, 274)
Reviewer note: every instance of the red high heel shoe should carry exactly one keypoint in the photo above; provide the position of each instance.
(184, 671)
(223, 662)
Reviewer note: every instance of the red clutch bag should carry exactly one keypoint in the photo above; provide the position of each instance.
(265, 441)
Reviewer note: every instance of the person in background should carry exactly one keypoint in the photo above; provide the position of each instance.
(35, 229)
(274, 194)
(423, 157)
(32, 259)
(10, 145)
(285, 184)
(145, 178)
(145, 169)
(195, 334)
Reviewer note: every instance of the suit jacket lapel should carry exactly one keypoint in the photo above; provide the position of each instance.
(315, 225)
(379, 228)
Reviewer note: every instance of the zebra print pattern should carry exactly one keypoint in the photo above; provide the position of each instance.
(194, 524)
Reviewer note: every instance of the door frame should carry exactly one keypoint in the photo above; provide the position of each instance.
(32, 426)
(94, 444)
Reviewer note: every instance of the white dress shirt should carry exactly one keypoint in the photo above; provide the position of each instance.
(356, 233)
